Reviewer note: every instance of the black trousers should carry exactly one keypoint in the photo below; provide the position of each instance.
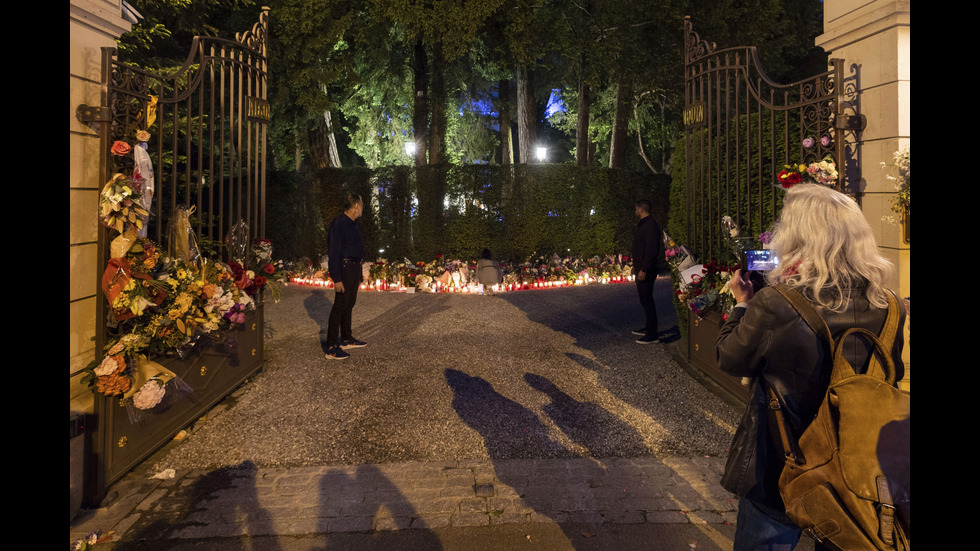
(645, 290)
(339, 327)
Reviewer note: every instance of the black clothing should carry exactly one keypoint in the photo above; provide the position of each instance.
(339, 326)
(345, 251)
(645, 290)
(343, 241)
(647, 248)
(768, 340)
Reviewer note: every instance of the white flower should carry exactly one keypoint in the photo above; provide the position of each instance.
(149, 395)
(108, 366)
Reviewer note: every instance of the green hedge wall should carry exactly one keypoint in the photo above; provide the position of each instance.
(419, 212)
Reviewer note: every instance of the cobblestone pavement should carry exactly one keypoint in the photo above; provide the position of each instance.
(469, 422)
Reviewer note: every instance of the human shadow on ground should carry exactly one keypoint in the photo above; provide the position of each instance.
(221, 503)
(413, 311)
(588, 424)
(597, 319)
(509, 430)
(366, 501)
(600, 320)
(570, 493)
(318, 307)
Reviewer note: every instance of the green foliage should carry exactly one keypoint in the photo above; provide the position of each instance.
(162, 39)
(295, 221)
(516, 212)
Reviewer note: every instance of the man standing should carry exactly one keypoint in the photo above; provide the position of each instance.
(646, 257)
(345, 251)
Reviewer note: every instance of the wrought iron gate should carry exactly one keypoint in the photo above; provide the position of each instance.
(205, 130)
(741, 128)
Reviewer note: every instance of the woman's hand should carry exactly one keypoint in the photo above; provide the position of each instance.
(741, 287)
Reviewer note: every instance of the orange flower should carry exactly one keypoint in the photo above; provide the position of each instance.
(112, 385)
(120, 149)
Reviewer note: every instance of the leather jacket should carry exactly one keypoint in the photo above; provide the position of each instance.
(769, 341)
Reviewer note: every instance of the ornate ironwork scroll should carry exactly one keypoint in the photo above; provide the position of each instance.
(207, 124)
(741, 129)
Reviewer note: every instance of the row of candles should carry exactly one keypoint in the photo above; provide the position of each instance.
(438, 287)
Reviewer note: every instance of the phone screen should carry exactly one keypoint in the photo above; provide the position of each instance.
(760, 260)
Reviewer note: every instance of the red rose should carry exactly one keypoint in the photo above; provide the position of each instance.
(270, 269)
(236, 269)
(259, 281)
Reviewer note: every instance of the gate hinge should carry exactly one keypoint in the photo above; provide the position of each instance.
(91, 113)
(851, 122)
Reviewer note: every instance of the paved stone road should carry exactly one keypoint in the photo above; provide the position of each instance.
(467, 422)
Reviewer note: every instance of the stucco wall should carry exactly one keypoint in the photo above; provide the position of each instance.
(92, 25)
(874, 39)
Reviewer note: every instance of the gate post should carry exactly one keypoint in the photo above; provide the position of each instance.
(875, 37)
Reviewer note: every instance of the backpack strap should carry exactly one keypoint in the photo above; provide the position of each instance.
(889, 332)
(806, 311)
(887, 336)
(788, 444)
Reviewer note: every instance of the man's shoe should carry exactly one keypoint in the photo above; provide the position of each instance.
(352, 343)
(641, 332)
(337, 353)
(648, 339)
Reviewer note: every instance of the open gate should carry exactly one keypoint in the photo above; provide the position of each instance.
(740, 129)
(205, 131)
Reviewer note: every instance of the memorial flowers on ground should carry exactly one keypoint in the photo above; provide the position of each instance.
(458, 275)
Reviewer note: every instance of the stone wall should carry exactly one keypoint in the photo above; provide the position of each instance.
(873, 37)
(93, 24)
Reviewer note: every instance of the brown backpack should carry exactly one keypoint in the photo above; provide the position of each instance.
(846, 482)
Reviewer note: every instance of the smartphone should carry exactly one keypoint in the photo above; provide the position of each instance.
(759, 260)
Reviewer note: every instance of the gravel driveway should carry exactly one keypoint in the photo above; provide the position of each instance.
(529, 374)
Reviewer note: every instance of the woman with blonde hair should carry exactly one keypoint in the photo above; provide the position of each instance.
(827, 252)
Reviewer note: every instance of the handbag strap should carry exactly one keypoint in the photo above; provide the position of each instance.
(787, 445)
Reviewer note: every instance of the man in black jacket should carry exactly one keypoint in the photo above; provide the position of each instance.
(345, 251)
(646, 257)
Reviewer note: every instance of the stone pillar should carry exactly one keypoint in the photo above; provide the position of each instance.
(92, 25)
(873, 37)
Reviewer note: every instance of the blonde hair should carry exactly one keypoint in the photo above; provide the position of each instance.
(826, 248)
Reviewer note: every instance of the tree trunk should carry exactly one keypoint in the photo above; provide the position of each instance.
(503, 120)
(420, 115)
(322, 143)
(582, 128)
(617, 147)
(333, 156)
(526, 127)
(437, 125)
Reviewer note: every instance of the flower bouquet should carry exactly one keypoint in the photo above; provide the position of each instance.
(120, 204)
(823, 172)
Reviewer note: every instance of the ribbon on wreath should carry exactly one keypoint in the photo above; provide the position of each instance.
(119, 273)
(116, 277)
